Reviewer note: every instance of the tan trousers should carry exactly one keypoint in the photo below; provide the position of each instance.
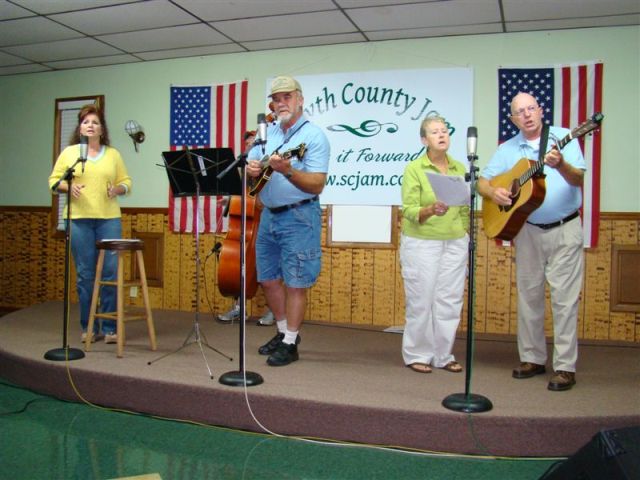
(557, 256)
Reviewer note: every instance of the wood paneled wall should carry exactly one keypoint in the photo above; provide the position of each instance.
(360, 286)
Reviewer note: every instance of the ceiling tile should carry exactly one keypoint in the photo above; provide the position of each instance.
(191, 52)
(432, 14)
(305, 41)
(6, 60)
(63, 50)
(33, 30)
(93, 61)
(31, 68)
(165, 38)
(378, 3)
(610, 21)
(9, 11)
(45, 7)
(553, 9)
(126, 18)
(235, 9)
(61, 32)
(435, 31)
(285, 26)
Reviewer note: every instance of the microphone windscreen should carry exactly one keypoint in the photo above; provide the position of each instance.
(472, 141)
(262, 128)
(84, 141)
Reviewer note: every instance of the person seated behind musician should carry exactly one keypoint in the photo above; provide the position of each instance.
(233, 314)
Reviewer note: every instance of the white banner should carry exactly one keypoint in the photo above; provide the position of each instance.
(372, 120)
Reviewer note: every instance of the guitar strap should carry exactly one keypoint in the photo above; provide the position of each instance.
(544, 139)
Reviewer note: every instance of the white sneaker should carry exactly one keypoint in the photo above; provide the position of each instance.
(231, 315)
(94, 337)
(111, 338)
(267, 319)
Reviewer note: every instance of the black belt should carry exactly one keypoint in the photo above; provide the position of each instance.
(284, 208)
(549, 226)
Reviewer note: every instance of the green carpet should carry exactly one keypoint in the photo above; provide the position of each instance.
(44, 438)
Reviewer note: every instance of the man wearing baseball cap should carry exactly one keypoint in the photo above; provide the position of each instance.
(288, 249)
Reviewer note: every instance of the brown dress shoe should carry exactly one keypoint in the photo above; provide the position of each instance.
(562, 381)
(528, 370)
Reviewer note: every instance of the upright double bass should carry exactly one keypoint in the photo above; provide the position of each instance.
(229, 281)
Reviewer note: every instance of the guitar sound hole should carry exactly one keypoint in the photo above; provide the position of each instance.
(515, 192)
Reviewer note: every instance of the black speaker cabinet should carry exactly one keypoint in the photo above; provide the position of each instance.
(610, 455)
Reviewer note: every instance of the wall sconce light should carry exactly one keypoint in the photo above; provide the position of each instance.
(135, 131)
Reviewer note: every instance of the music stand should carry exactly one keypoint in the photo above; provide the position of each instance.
(194, 172)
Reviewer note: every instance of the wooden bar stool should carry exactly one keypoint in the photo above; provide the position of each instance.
(121, 316)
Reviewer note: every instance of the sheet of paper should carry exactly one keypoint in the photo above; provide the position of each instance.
(451, 190)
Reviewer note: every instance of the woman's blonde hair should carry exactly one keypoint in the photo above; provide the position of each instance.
(428, 120)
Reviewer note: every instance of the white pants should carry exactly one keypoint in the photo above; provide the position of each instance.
(556, 256)
(433, 272)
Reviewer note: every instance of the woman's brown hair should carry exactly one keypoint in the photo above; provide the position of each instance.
(82, 114)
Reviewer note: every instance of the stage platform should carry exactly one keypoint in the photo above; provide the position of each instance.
(350, 384)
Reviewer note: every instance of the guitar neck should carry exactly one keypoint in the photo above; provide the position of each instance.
(538, 165)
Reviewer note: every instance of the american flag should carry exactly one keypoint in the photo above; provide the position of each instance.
(568, 95)
(205, 117)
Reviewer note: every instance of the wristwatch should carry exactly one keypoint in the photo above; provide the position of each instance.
(289, 174)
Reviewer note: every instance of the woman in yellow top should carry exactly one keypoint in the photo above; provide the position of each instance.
(95, 213)
(433, 256)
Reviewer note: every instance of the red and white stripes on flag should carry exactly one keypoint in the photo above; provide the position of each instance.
(569, 95)
(205, 117)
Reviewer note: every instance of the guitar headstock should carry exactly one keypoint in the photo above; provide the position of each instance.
(589, 126)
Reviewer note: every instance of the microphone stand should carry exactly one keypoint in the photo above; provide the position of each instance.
(240, 377)
(66, 353)
(468, 402)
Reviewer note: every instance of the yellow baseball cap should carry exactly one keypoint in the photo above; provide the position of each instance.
(284, 83)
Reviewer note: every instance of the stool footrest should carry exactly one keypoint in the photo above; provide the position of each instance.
(124, 284)
(126, 318)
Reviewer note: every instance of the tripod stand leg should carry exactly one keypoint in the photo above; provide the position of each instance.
(206, 344)
(197, 338)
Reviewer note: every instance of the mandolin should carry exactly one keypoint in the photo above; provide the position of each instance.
(527, 187)
(265, 174)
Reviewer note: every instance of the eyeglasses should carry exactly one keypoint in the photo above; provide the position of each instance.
(521, 111)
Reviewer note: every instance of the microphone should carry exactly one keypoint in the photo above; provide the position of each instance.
(262, 130)
(83, 150)
(472, 142)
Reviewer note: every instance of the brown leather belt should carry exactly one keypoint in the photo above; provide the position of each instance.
(549, 226)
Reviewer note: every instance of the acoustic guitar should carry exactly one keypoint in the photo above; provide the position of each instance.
(527, 188)
(265, 174)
